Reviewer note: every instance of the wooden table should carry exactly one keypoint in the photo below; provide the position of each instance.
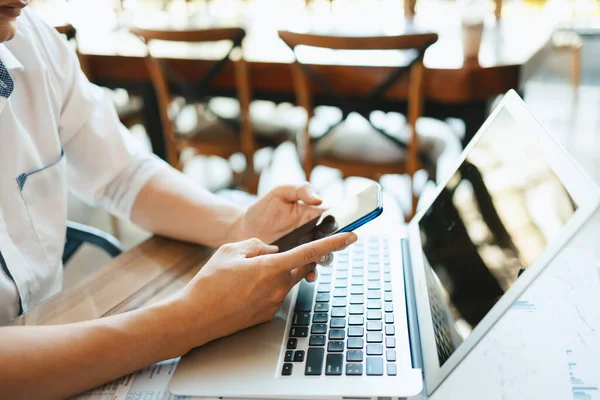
(151, 271)
(511, 51)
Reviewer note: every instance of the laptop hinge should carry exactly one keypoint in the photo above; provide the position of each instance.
(411, 308)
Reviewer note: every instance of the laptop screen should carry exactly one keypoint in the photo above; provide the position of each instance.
(490, 222)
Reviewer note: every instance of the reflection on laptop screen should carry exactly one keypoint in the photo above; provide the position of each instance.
(493, 219)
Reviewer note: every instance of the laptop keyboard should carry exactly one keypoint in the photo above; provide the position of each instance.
(344, 323)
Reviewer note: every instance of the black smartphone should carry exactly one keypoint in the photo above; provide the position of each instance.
(345, 217)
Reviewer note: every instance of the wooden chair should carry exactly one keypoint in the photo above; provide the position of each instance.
(214, 140)
(570, 41)
(307, 80)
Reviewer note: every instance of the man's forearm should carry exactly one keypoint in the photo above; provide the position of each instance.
(58, 361)
(170, 204)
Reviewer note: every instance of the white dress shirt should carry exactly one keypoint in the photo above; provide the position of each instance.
(58, 132)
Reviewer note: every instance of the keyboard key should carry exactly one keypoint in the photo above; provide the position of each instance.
(324, 288)
(357, 289)
(374, 314)
(387, 277)
(387, 287)
(374, 304)
(338, 302)
(341, 283)
(341, 266)
(301, 319)
(320, 318)
(374, 326)
(356, 310)
(335, 347)
(354, 369)
(357, 281)
(390, 342)
(337, 323)
(388, 307)
(374, 366)
(292, 343)
(354, 356)
(355, 343)
(325, 279)
(314, 361)
(391, 369)
(299, 331)
(356, 331)
(304, 300)
(321, 298)
(374, 337)
(334, 364)
(340, 292)
(389, 330)
(287, 369)
(373, 268)
(321, 307)
(374, 276)
(342, 275)
(389, 318)
(358, 272)
(317, 340)
(299, 356)
(357, 299)
(390, 355)
(289, 356)
(387, 296)
(325, 270)
(356, 320)
(387, 269)
(373, 295)
(318, 329)
(374, 285)
(374, 350)
(338, 312)
(337, 334)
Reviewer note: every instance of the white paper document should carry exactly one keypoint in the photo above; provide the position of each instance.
(547, 346)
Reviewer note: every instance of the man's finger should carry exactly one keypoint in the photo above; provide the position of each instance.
(310, 253)
(308, 195)
(296, 193)
(303, 272)
(255, 247)
(310, 213)
(327, 259)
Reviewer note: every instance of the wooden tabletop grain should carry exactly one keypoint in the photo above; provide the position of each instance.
(147, 273)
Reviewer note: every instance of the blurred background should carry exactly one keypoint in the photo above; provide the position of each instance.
(242, 95)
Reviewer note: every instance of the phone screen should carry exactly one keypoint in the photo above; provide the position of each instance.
(336, 219)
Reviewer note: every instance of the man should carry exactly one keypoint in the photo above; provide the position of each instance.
(58, 131)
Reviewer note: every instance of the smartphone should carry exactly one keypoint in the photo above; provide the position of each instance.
(345, 217)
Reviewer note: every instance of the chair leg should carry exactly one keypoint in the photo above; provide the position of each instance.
(576, 71)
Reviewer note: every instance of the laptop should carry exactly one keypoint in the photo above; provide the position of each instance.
(397, 311)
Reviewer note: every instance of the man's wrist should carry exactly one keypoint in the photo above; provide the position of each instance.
(238, 230)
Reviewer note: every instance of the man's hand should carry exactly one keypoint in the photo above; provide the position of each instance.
(277, 213)
(244, 284)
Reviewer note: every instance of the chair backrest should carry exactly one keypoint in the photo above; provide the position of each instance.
(78, 234)
(304, 73)
(162, 74)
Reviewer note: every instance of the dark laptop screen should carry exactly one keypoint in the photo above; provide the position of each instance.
(493, 219)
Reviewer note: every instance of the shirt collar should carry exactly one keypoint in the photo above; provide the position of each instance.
(8, 58)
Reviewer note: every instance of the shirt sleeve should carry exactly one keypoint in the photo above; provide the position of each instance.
(106, 164)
